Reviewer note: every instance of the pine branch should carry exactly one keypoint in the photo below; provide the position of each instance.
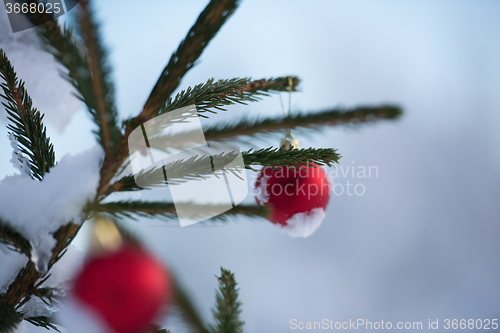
(156, 329)
(67, 50)
(334, 117)
(195, 167)
(46, 294)
(27, 277)
(207, 25)
(71, 53)
(87, 70)
(9, 318)
(131, 209)
(102, 100)
(63, 46)
(291, 157)
(25, 121)
(42, 322)
(225, 92)
(205, 28)
(12, 237)
(227, 311)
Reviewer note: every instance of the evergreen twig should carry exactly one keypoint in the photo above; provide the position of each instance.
(195, 167)
(333, 117)
(101, 102)
(207, 25)
(27, 277)
(87, 70)
(157, 329)
(291, 158)
(25, 121)
(227, 311)
(12, 237)
(225, 92)
(9, 318)
(41, 321)
(69, 52)
(132, 209)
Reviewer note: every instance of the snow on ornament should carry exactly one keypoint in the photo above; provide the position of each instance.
(296, 198)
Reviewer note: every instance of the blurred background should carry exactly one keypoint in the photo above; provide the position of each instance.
(420, 243)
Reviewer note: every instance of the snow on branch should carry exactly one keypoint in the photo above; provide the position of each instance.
(28, 136)
(38, 209)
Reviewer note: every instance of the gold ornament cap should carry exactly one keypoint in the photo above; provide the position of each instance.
(289, 142)
(105, 236)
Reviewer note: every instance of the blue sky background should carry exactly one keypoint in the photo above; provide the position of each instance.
(422, 242)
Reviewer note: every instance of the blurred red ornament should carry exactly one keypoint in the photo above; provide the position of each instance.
(296, 198)
(128, 288)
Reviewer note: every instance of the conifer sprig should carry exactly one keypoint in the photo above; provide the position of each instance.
(44, 322)
(205, 28)
(291, 157)
(10, 236)
(227, 311)
(9, 317)
(27, 278)
(133, 209)
(195, 168)
(156, 329)
(217, 94)
(201, 33)
(88, 70)
(102, 100)
(25, 121)
(333, 117)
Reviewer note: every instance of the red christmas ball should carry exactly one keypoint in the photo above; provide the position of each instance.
(296, 198)
(127, 288)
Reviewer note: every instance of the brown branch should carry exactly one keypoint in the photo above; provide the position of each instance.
(334, 117)
(268, 84)
(10, 236)
(262, 85)
(96, 79)
(22, 110)
(19, 101)
(24, 283)
(209, 22)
